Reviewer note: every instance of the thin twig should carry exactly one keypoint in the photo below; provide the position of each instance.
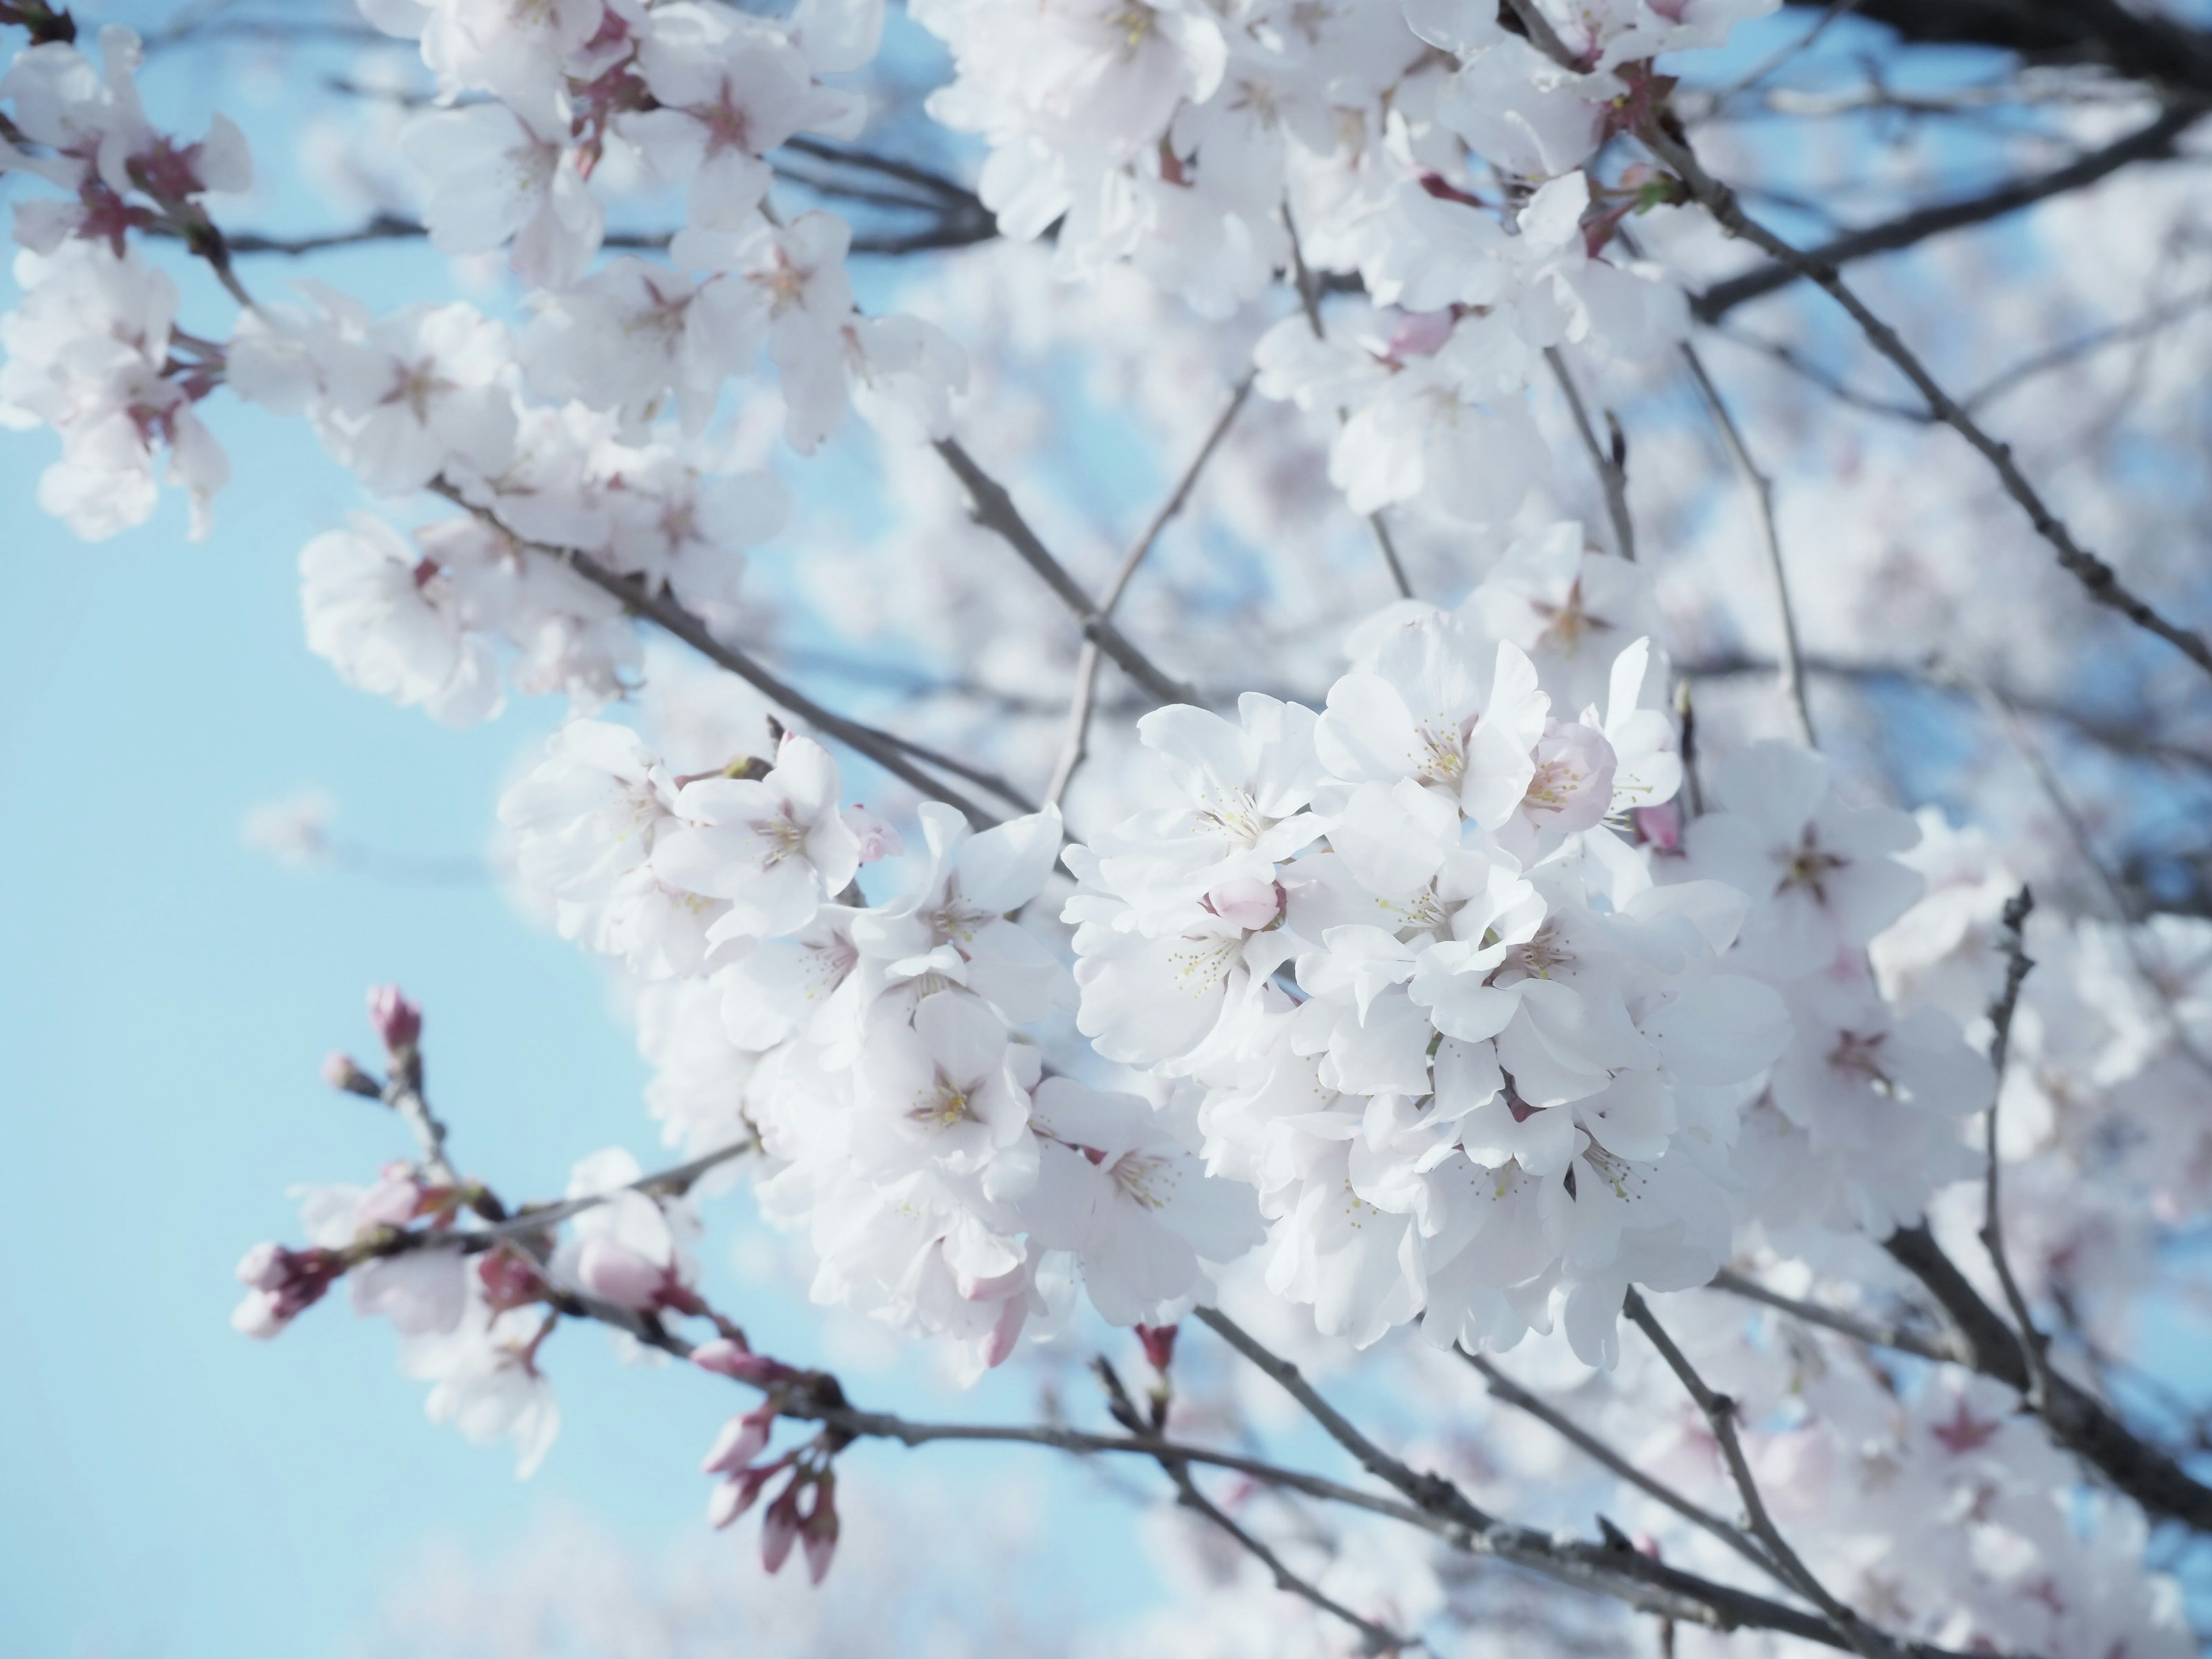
(1943, 1349)
(1720, 1414)
(881, 747)
(2097, 578)
(1309, 293)
(992, 507)
(1077, 743)
(1760, 488)
(1612, 476)
(1598, 1452)
(2007, 1002)
(1374, 1637)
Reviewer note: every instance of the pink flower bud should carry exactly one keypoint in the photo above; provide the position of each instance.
(1420, 334)
(1159, 1345)
(739, 1492)
(742, 1440)
(282, 1285)
(779, 1527)
(395, 1200)
(615, 1272)
(396, 1020)
(877, 839)
(1659, 827)
(509, 1280)
(819, 1531)
(725, 1358)
(263, 1267)
(1247, 903)
(342, 1075)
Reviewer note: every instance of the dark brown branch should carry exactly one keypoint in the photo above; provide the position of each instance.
(990, 507)
(881, 747)
(2077, 1419)
(2155, 142)
(2097, 578)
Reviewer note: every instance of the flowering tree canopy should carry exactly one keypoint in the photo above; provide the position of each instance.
(1412, 734)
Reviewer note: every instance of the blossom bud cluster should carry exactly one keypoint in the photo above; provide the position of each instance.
(877, 1052)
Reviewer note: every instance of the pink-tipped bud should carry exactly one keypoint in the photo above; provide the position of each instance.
(727, 1358)
(615, 1272)
(1421, 334)
(741, 1490)
(342, 1075)
(282, 1284)
(1247, 903)
(742, 1440)
(877, 839)
(819, 1530)
(509, 1280)
(1159, 1345)
(1658, 827)
(779, 1527)
(397, 1021)
(396, 1199)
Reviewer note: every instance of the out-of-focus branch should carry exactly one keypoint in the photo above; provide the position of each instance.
(1760, 488)
(2134, 739)
(1720, 1414)
(887, 751)
(1940, 1347)
(1309, 293)
(1604, 1455)
(2097, 578)
(1612, 474)
(2151, 142)
(1078, 742)
(990, 507)
(2007, 1003)
(1374, 1637)
(2077, 1419)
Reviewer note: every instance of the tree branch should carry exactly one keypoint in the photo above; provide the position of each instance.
(1720, 1413)
(2151, 142)
(881, 747)
(2097, 577)
(1612, 476)
(1760, 488)
(1078, 742)
(990, 507)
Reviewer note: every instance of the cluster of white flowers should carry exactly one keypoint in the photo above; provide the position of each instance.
(877, 1052)
(1468, 1008)
(1425, 146)
(553, 434)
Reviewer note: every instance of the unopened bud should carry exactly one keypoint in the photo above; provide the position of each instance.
(1658, 827)
(1422, 334)
(876, 838)
(342, 1075)
(1159, 1342)
(742, 1440)
(727, 1358)
(396, 1020)
(615, 1272)
(779, 1527)
(1247, 901)
(509, 1280)
(819, 1530)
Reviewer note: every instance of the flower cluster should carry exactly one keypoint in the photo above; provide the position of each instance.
(1428, 148)
(875, 1052)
